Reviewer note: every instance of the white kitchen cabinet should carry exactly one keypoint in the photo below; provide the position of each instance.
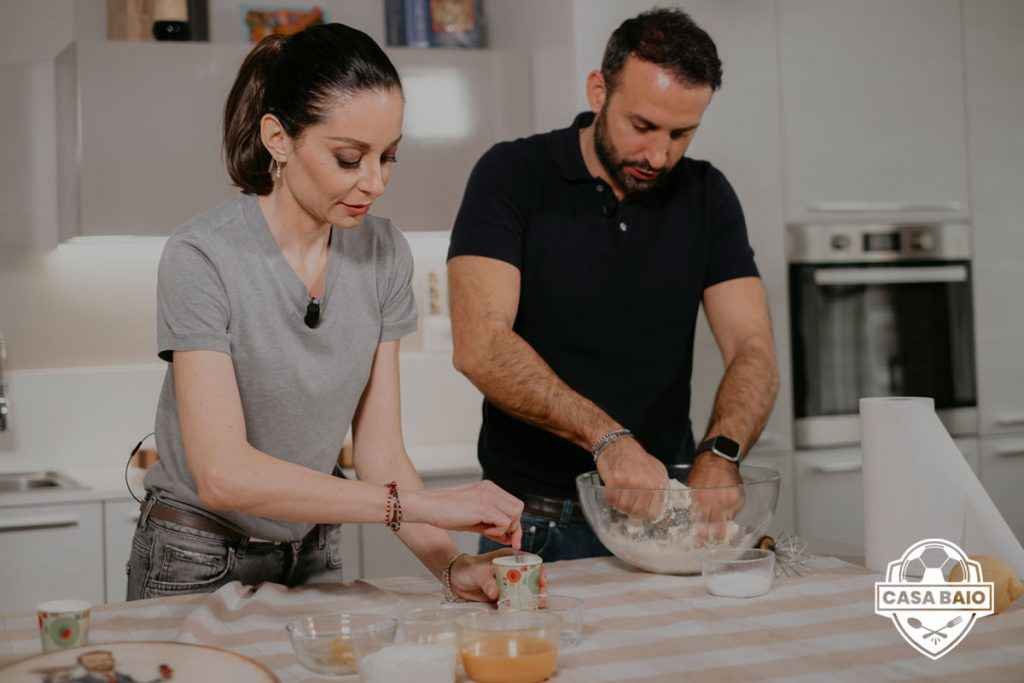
(119, 520)
(140, 134)
(50, 552)
(28, 152)
(873, 108)
(1002, 473)
(746, 146)
(785, 512)
(830, 501)
(830, 497)
(993, 35)
(139, 125)
(384, 555)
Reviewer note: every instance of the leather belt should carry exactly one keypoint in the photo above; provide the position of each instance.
(193, 520)
(552, 508)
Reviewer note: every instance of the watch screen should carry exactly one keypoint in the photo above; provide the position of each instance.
(727, 447)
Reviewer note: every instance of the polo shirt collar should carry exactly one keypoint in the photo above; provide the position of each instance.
(568, 154)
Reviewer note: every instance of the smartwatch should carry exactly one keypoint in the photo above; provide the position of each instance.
(722, 446)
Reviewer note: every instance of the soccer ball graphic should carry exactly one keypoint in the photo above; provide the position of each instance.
(930, 563)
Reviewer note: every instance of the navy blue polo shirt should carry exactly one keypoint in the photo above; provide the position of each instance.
(610, 293)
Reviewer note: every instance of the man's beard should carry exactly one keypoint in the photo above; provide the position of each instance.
(613, 164)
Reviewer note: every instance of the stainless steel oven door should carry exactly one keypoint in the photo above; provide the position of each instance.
(880, 329)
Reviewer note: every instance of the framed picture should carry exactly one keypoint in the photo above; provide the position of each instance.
(262, 21)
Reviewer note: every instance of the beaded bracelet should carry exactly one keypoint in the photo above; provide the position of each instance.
(446, 579)
(393, 509)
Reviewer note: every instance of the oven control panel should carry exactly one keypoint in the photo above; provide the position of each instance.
(874, 243)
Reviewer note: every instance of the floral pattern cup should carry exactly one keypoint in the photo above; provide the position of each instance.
(63, 624)
(520, 579)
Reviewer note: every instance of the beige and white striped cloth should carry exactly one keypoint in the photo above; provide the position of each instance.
(637, 627)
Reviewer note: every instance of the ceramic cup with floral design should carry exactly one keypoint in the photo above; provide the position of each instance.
(63, 624)
(520, 580)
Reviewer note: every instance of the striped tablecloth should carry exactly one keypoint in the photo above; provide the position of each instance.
(638, 627)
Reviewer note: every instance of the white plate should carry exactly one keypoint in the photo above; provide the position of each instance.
(142, 661)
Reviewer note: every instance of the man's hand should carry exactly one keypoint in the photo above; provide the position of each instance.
(715, 505)
(627, 466)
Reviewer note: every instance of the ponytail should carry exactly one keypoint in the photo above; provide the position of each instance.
(248, 161)
(297, 79)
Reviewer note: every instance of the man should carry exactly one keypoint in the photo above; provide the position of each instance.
(578, 262)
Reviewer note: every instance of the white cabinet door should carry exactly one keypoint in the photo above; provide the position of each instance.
(873, 107)
(1002, 473)
(830, 501)
(785, 512)
(50, 552)
(28, 212)
(119, 520)
(993, 33)
(830, 497)
(138, 118)
(384, 555)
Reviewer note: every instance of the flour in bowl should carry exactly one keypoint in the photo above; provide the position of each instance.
(674, 542)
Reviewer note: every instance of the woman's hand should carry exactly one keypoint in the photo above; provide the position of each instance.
(481, 507)
(473, 576)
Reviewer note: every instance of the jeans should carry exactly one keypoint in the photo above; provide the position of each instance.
(171, 559)
(555, 540)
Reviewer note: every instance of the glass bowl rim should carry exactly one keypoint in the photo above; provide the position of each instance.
(296, 627)
(762, 555)
(550, 619)
(760, 475)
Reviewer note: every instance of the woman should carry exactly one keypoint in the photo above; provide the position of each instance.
(281, 313)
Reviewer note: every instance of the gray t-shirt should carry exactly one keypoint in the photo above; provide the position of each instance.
(224, 285)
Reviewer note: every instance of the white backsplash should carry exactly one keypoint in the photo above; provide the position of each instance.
(94, 416)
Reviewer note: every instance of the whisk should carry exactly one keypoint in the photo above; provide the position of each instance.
(791, 554)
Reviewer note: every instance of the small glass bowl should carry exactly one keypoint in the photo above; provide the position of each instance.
(570, 609)
(510, 646)
(333, 643)
(738, 572)
(436, 625)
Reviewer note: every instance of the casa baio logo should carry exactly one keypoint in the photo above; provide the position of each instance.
(930, 612)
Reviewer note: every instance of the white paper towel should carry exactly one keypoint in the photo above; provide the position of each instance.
(918, 485)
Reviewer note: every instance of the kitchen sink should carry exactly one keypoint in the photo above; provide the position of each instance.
(22, 482)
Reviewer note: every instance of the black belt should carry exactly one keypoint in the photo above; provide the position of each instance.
(552, 508)
(194, 521)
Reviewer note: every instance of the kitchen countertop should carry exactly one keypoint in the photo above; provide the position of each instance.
(637, 627)
(102, 482)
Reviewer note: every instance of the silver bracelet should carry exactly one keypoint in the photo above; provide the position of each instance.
(607, 440)
(446, 579)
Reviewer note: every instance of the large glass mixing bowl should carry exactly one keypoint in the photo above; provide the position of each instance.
(687, 523)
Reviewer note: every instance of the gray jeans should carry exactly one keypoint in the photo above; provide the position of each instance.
(171, 559)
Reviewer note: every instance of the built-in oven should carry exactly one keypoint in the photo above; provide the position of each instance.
(879, 310)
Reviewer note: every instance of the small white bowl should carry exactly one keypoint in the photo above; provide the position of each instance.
(738, 573)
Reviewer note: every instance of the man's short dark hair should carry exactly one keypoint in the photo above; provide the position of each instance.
(668, 38)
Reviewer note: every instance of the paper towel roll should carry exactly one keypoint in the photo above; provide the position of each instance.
(918, 485)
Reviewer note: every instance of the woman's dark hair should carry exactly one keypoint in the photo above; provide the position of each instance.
(668, 38)
(296, 79)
